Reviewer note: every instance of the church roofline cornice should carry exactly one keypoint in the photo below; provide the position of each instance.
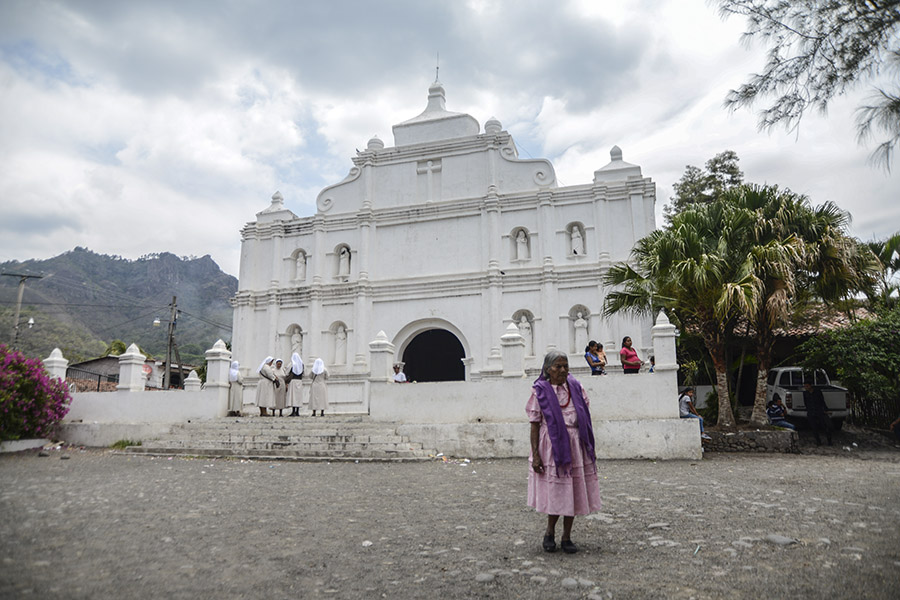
(432, 286)
(451, 208)
(424, 151)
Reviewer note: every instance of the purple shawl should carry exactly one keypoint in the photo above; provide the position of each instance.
(556, 426)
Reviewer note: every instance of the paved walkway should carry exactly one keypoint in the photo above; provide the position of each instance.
(104, 525)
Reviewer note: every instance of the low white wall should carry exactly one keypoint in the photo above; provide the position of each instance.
(615, 397)
(655, 439)
(634, 416)
(147, 407)
(107, 434)
(346, 395)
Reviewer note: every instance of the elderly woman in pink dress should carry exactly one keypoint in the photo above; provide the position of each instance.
(563, 475)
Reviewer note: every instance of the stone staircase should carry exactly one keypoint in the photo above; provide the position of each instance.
(331, 438)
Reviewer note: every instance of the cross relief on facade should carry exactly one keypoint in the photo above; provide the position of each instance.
(429, 179)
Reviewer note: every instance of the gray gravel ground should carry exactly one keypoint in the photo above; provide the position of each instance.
(105, 525)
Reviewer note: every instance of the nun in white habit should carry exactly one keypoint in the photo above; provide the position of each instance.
(318, 393)
(295, 385)
(265, 389)
(235, 390)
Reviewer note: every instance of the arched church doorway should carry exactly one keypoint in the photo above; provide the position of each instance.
(434, 355)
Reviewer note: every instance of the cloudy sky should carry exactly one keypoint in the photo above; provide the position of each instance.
(145, 126)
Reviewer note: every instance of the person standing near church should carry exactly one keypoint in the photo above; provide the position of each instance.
(562, 480)
(280, 389)
(817, 412)
(593, 361)
(399, 376)
(629, 357)
(295, 385)
(235, 390)
(265, 389)
(318, 393)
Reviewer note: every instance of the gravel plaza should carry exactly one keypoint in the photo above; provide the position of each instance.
(99, 524)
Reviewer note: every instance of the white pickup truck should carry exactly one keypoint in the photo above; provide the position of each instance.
(787, 383)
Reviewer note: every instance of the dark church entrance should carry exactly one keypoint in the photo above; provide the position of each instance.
(434, 355)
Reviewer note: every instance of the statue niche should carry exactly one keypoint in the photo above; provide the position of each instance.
(522, 245)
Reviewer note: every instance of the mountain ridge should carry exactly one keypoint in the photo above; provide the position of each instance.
(85, 300)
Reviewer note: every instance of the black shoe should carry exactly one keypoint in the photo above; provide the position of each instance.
(549, 544)
(568, 546)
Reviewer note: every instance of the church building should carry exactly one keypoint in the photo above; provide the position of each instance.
(442, 241)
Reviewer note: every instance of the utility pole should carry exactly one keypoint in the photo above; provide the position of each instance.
(22, 278)
(172, 346)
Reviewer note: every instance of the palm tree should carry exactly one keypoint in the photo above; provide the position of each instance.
(790, 246)
(691, 270)
(881, 291)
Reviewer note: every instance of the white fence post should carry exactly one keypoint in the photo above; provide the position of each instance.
(381, 357)
(513, 350)
(664, 344)
(192, 382)
(218, 362)
(131, 370)
(56, 365)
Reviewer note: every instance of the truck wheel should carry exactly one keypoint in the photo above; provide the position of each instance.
(838, 423)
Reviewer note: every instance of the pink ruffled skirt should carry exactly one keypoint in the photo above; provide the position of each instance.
(571, 494)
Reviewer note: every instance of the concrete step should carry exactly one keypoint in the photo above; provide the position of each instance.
(284, 439)
(296, 438)
(294, 445)
(288, 455)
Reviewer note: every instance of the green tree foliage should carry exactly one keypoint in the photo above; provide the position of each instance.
(744, 257)
(702, 186)
(49, 332)
(115, 348)
(690, 269)
(865, 356)
(819, 49)
(791, 247)
(882, 291)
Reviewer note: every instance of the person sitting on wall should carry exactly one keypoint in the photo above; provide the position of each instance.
(593, 359)
(777, 415)
(686, 410)
(399, 376)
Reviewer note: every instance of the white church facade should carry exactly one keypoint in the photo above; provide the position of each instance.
(441, 242)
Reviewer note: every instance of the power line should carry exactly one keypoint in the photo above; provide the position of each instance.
(144, 316)
(41, 303)
(68, 282)
(207, 321)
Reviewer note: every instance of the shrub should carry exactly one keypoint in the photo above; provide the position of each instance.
(31, 403)
(122, 444)
(865, 356)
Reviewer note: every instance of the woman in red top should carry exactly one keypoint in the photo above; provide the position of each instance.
(630, 361)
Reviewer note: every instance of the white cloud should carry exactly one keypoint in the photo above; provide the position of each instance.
(147, 126)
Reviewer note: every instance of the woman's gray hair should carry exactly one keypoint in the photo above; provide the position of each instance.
(550, 358)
